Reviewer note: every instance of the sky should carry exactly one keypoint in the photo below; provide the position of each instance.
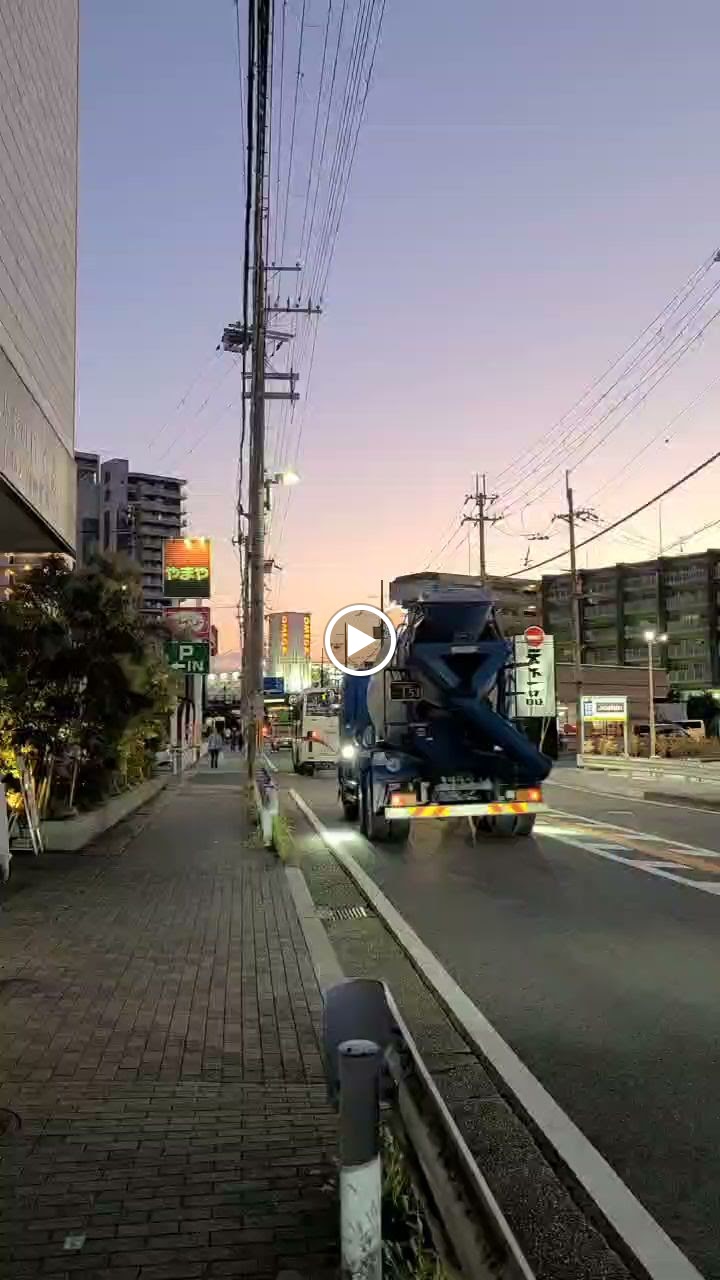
(532, 185)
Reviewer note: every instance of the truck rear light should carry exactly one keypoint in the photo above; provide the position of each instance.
(531, 795)
(399, 799)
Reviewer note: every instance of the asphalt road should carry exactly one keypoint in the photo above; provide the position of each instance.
(604, 980)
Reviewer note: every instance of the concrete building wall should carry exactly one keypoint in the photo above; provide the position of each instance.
(674, 595)
(38, 243)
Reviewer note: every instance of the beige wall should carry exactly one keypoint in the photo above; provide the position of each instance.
(38, 241)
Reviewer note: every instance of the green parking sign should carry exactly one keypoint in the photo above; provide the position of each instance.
(190, 656)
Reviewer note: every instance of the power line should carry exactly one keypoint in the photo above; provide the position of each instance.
(292, 131)
(670, 362)
(183, 399)
(688, 408)
(630, 516)
(689, 285)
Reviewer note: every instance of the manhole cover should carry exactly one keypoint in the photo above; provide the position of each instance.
(343, 913)
(9, 1122)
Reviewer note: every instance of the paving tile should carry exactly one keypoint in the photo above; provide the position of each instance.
(159, 1041)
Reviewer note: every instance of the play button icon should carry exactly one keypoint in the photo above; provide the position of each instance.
(360, 640)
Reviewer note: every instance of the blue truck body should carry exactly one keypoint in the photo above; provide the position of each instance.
(453, 750)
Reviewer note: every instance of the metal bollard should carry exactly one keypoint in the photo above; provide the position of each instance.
(359, 1064)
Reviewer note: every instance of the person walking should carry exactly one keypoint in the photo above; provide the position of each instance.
(215, 745)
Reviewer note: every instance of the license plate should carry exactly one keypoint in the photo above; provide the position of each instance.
(405, 691)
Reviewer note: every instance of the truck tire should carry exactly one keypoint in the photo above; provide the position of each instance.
(374, 826)
(506, 826)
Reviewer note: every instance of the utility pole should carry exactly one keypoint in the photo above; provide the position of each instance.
(479, 498)
(576, 596)
(255, 564)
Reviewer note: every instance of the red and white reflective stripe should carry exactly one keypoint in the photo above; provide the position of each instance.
(463, 810)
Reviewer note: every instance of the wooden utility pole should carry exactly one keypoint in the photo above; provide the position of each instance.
(255, 625)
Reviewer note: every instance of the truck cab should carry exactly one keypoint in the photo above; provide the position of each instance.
(316, 731)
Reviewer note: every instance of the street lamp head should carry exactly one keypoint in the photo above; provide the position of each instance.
(662, 639)
(289, 477)
(649, 636)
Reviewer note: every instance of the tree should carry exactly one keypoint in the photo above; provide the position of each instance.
(705, 707)
(82, 671)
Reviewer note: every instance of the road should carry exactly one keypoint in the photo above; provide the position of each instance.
(593, 951)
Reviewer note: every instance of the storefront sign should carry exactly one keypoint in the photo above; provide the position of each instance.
(534, 677)
(605, 710)
(274, 685)
(284, 636)
(188, 624)
(187, 568)
(306, 634)
(190, 656)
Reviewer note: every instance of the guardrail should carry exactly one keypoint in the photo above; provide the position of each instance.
(682, 770)
(470, 1230)
(268, 804)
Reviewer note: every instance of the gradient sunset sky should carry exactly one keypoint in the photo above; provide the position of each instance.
(532, 185)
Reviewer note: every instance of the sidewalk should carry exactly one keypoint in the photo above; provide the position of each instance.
(158, 1043)
(637, 786)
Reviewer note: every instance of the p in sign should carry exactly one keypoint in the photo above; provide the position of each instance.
(535, 636)
(190, 656)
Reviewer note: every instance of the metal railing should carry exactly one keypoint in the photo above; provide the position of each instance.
(475, 1237)
(688, 770)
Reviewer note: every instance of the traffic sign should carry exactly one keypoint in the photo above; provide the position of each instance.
(190, 656)
(274, 684)
(534, 636)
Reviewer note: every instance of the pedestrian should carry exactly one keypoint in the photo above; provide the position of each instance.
(240, 738)
(215, 744)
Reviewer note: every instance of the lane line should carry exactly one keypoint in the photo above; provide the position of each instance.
(638, 835)
(637, 864)
(630, 1220)
(623, 795)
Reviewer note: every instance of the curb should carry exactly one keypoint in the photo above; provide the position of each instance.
(629, 1221)
(322, 955)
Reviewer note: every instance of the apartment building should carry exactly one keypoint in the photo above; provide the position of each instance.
(673, 595)
(38, 250)
(131, 512)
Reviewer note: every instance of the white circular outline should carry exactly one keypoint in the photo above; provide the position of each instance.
(365, 608)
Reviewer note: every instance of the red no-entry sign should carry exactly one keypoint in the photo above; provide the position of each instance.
(534, 636)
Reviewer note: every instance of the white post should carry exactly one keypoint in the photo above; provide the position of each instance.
(360, 1167)
(651, 697)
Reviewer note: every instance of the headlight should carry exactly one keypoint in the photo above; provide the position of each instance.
(348, 751)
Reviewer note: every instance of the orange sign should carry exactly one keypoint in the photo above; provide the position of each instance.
(306, 634)
(187, 568)
(284, 636)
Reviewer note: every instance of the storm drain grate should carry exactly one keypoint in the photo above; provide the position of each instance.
(343, 913)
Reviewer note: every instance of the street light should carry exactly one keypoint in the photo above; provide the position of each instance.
(287, 478)
(652, 638)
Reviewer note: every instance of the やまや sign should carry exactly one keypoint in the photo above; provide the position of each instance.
(186, 568)
(534, 676)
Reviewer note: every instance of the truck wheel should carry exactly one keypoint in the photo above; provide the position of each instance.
(309, 769)
(508, 825)
(296, 764)
(350, 809)
(374, 826)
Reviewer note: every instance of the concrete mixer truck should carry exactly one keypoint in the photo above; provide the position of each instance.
(431, 736)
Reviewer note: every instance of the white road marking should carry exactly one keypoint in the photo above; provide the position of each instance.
(623, 795)
(638, 864)
(697, 849)
(628, 1217)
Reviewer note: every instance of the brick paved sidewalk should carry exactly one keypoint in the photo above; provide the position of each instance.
(158, 1041)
